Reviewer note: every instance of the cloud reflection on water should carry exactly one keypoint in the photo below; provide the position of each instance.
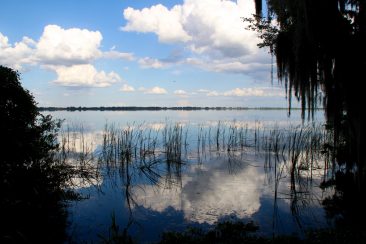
(207, 194)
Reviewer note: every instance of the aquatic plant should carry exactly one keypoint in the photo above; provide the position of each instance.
(137, 153)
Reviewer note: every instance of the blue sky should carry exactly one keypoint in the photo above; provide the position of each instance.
(137, 53)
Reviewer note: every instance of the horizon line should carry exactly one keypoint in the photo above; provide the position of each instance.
(158, 108)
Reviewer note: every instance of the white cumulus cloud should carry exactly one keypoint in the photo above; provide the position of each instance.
(167, 24)
(151, 63)
(246, 92)
(212, 27)
(181, 93)
(255, 92)
(155, 90)
(127, 88)
(118, 55)
(17, 54)
(211, 33)
(3, 41)
(68, 46)
(213, 94)
(84, 75)
(67, 52)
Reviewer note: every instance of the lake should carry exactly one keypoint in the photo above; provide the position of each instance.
(168, 170)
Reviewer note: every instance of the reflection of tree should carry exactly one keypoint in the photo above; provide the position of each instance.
(321, 44)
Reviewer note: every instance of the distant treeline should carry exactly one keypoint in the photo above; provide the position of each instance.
(151, 108)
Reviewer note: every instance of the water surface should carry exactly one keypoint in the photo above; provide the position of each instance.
(215, 177)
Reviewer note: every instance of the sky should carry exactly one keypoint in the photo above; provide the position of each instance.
(138, 53)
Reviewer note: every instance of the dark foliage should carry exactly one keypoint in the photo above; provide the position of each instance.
(223, 232)
(320, 48)
(239, 232)
(317, 44)
(32, 182)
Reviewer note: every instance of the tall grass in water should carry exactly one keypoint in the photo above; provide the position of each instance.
(301, 149)
(158, 155)
(139, 144)
(173, 142)
(76, 151)
(173, 138)
(144, 150)
(126, 149)
(299, 152)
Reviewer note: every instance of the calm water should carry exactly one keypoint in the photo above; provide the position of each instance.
(236, 180)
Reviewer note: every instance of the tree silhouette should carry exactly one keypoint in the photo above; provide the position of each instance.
(32, 182)
(320, 47)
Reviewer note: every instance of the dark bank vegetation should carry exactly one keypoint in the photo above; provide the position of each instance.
(34, 182)
(135, 108)
(240, 232)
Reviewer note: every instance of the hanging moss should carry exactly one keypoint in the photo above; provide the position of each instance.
(320, 50)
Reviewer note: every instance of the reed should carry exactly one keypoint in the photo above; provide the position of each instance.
(298, 151)
(137, 153)
(76, 151)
